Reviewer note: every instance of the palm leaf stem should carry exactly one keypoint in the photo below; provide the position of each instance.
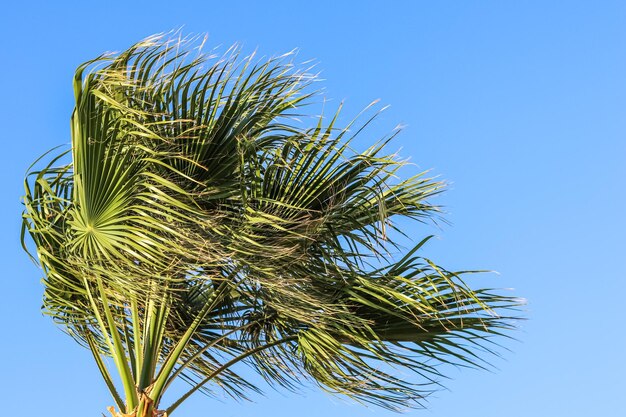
(225, 366)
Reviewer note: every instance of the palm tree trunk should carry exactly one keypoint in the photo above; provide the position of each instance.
(144, 409)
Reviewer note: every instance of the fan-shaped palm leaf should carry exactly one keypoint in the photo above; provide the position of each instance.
(198, 226)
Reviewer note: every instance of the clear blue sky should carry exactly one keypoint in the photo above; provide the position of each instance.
(520, 105)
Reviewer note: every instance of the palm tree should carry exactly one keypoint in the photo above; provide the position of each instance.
(199, 227)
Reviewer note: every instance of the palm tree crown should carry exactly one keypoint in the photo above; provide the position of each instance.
(199, 226)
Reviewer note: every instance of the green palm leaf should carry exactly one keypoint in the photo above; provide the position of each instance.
(199, 226)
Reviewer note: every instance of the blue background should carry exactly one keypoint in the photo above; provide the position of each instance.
(519, 105)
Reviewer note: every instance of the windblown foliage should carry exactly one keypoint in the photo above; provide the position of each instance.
(199, 226)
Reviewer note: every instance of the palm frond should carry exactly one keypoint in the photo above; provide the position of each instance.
(199, 226)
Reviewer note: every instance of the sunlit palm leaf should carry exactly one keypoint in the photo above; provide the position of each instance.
(199, 226)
